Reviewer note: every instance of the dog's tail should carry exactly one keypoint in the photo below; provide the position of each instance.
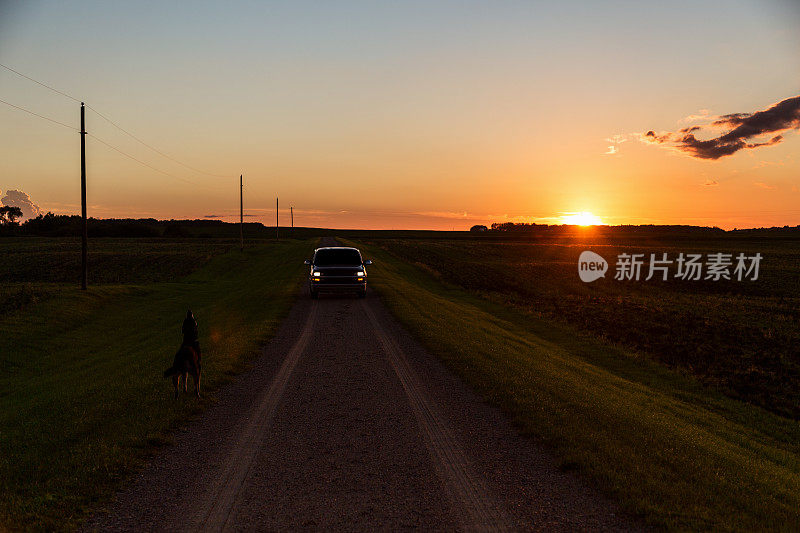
(170, 371)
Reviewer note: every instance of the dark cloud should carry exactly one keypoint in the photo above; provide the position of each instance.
(651, 136)
(781, 117)
(733, 117)
(23, 201)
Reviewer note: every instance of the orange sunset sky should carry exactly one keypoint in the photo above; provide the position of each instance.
(410, 115)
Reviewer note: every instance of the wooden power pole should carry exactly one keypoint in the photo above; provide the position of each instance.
(276, 218)
(291, 214)
(241, 214)
(84, 230)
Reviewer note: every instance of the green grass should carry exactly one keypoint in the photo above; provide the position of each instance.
(740, 337)
(130, 260)
(82, 398)
(678, 454)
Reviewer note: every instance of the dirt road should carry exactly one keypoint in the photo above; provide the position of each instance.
(346, 423)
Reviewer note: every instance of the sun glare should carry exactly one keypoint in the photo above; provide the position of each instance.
(584, 218)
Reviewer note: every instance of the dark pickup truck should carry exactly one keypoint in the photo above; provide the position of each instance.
(337, 269)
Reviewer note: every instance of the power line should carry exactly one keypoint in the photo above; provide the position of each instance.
(39, 83)
(40, 116)
(137, 139)
(101, 141)
(101, 115)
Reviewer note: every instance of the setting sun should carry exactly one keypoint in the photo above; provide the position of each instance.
(584, 218)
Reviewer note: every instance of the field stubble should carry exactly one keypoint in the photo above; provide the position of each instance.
(741, 337)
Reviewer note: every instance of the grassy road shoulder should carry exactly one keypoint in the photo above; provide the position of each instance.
(671, 451)
(82, 398)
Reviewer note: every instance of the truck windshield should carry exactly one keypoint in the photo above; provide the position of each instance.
(337, 257)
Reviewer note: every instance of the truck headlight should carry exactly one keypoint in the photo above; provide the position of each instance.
(360, 273)
(317, 274)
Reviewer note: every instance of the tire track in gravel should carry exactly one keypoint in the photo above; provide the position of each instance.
(216, 508)
(346, 423)
(467, 493)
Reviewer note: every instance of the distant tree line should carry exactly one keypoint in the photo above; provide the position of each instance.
(513, 226)
(50, 225)
(621, 229)
(639, 229)
(525, 226)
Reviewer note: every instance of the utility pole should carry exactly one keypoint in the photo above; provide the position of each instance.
(241, 214)
(276, 217)
(291, 214)
(84, 230)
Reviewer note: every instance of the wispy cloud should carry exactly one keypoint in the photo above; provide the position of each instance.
(744, 129)
(703, 114)
(711, 183)
(444, 214)
(763, 185)
(615, 141)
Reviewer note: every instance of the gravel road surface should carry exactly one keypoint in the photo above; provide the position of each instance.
(345, 423)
